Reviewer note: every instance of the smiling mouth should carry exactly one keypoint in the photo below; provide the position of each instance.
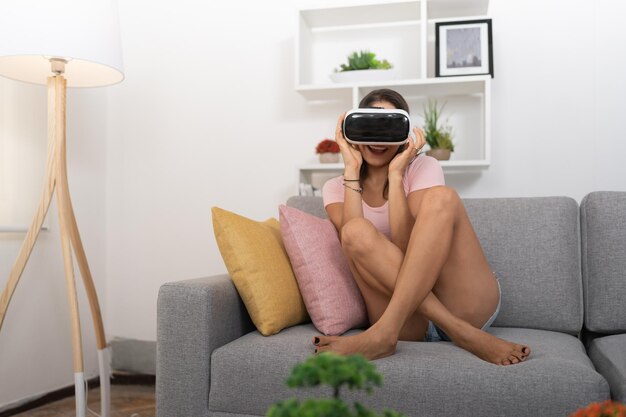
(378, 150)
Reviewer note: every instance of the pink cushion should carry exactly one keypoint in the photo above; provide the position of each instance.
(330, 294)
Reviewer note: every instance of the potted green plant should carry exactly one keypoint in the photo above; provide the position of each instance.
(438, 134)
(335, 371)
(361, 66)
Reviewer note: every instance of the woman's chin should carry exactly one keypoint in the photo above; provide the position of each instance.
(378, 161)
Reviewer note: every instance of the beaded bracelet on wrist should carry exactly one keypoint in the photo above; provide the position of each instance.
(358, 190)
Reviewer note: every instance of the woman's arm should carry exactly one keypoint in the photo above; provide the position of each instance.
(352, 206)
(400, 218)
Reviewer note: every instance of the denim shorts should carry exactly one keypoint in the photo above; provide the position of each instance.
(435, 334)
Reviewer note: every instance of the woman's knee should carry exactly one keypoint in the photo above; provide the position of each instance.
(441, 199)
(358, 236)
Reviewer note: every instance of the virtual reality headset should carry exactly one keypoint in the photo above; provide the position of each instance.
(376, 126)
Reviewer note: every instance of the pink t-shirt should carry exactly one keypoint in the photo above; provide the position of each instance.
(423, 172)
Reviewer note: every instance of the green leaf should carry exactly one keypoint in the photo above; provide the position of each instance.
(437, 135)
(335, 371)
(310, 408)
(363, 60)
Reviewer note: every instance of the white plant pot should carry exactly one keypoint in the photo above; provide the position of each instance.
(329, 158)
(364, 75)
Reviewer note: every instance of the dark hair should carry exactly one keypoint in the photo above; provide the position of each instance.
(390, 96)
(384, 94)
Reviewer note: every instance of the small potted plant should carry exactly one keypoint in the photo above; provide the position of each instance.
(328, 150)
(363, 66)
(438, 135)
(335, 371)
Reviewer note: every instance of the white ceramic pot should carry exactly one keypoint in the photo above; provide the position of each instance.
(329, 158)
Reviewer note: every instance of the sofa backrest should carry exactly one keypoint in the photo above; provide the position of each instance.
(603, 230)
(533, 247)
(308, 204)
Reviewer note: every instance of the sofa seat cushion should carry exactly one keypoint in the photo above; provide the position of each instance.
(609, 356)
(425, 379)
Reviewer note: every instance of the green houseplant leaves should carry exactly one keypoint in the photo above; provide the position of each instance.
(335, 371)
(438, 135)
(364, 60)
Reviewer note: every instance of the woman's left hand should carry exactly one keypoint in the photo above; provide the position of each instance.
(401, 161)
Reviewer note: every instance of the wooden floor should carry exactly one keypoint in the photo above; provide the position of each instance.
(126, 401)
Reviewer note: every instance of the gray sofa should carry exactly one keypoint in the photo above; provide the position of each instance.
(212, 362)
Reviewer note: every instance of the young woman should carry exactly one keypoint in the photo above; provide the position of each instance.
(412, 251)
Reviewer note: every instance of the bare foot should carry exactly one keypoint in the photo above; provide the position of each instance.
(371, 344)
(490, 348)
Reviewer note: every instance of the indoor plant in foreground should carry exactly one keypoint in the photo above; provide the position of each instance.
(335, 371)
(438, 134)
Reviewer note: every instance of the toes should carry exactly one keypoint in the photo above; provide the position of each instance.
(521, 352)
(322, 340)
(513, 359)
(517, 355)
(506, 362)
(321, 349)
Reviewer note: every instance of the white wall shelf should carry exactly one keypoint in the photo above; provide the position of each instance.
(402, 32)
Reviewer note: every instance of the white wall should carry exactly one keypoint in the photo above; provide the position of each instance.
(208, 116)
(557, 98)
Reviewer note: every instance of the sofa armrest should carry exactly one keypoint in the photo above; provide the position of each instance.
(194, 317)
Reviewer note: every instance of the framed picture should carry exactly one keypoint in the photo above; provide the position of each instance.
(463, 48)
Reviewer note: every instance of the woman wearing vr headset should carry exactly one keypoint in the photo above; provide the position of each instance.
(412, 250)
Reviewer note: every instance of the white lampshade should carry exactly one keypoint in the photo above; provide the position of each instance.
(83, 32)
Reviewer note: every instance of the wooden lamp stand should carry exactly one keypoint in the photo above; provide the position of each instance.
(56, 178)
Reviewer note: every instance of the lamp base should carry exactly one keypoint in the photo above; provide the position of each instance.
(79, 392)
(105, 381)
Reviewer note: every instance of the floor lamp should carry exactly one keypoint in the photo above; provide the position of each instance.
(64, 43)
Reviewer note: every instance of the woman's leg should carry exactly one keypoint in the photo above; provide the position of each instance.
(375, 275)
(375, 263)
(444, 256)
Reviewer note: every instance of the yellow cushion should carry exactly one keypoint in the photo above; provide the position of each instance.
(258, 264)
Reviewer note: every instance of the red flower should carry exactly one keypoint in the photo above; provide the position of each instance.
(327, 145)
(605, 409)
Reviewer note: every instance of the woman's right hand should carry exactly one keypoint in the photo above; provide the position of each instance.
(352, 157)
